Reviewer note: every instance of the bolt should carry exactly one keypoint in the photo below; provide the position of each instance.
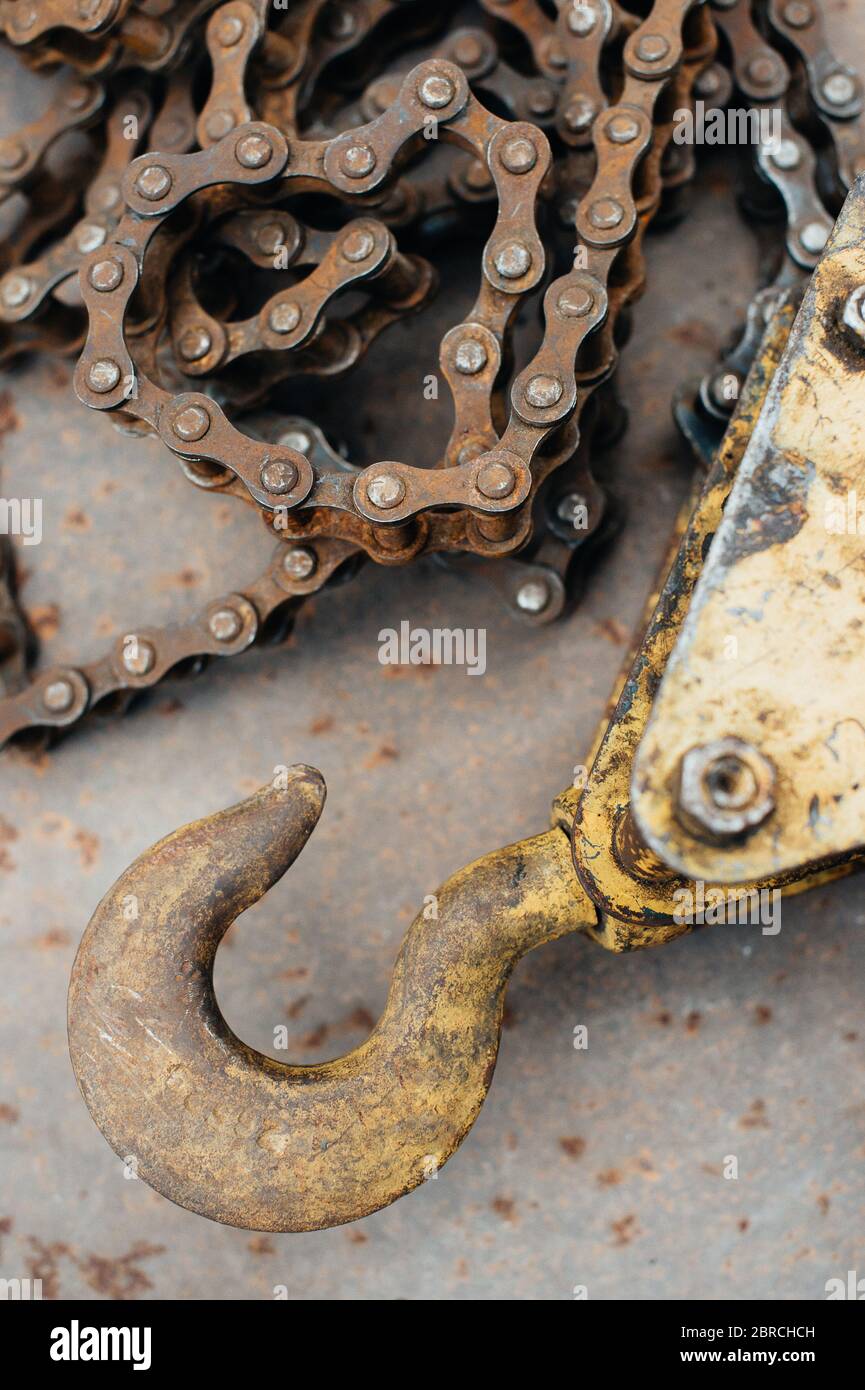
(582, 19)
(278, 475)
(495, 479)
(12, 154)
(89, 236)
(436, 91)
(798, 14)
(651, 48)
(139, 657)
(253, 151)
(520, 155)
(853, 317)
(225, 624)
(622, 129)
(575, 302)
(299, 562)
(726, 790)
(471, 357)
(15, 291)
(357, 161)
(385, 491)
(153, 183)
(814, 236)
(106, 275)
(358, 245)
(579, 114)
(513, 260)
(785, 154)
(195, 343)
(606, 213)
(59, 696)
(229, 30)
(284, 317)
(544, 391)
(533, 596)
(104, 374)
(191, 422)
(839, 88)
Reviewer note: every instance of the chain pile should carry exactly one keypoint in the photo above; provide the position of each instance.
(256, 195)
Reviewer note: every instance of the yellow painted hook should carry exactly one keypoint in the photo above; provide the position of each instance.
(240, 1138)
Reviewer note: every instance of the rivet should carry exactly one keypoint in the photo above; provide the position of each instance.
(278, 475)
(229, 30)
(471, 357)
(606, 213)
(533, 596)
(253, 151)
(16, 290)
(814, 236)
(544, 391)
(358, 245)
(299, 562)
(785, 154)
(270, 237)
(139, 657)
(153, 182)
(513, 260)
(191, 423)
(798, 14)
(104, 374)
(582, 19)
(579, 113)
(436, 91)
(225, 624)
(357, 161)
(519, 155)
(622, 129)
(106, 275)
(12, 154)
(385, 491)
(284, 317)
(839, 88)
(495, 479)
(296, 439)
(195, 343)
(89, 237)
(575, 302)
(59, 696)
(651, 48)
(218, 123)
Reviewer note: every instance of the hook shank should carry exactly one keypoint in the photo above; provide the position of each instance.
(236, 1136)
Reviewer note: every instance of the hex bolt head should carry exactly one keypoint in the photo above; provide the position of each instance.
(195, 343)
(436, 91)
(519, 155)
(358, 245)
(606, 213)
(853, 317)
(16, 290)
(139, 656)
(278, 476)
(153, 183)
(191, 422)
(575, 302)
(357, 161)
(58, 696)
(726, 790)
(533, 596)
(470, 357)
(652, 48)
(103, 375)
(225, 624)
(495, 480)
(284, 317)
(513, 260)
(385, 491)
(106, 275)
(253, 151)
(300, 562)
(544, 391)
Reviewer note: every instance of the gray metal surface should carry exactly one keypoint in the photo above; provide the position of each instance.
(603, 1167)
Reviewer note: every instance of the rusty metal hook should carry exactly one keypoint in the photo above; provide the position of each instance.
(230, 1133)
